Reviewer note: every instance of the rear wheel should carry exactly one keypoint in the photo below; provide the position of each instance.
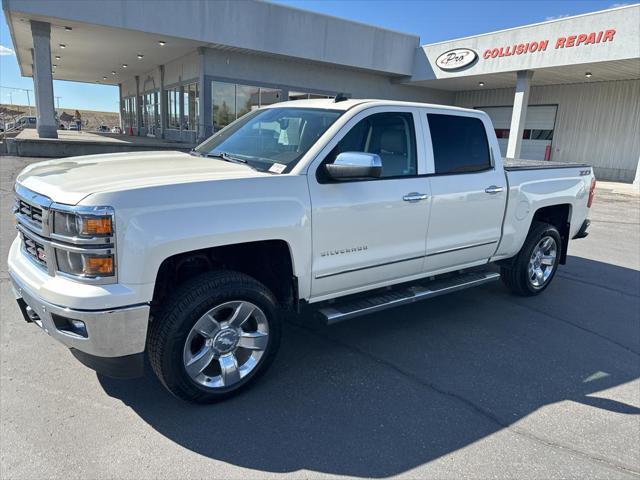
(532, 270)
(215, 336)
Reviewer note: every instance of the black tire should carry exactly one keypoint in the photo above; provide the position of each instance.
(515, 274)
(170, 330)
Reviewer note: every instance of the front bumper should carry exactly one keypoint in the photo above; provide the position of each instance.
(111, 337)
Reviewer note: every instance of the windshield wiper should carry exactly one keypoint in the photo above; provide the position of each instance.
(226, 157)
(222, 155)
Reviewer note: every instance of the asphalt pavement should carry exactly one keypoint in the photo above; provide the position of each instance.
(477, 384)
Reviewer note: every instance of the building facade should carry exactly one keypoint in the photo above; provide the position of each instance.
(565, 90)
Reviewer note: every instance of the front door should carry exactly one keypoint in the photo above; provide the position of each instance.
(370, 232)
(468, 193)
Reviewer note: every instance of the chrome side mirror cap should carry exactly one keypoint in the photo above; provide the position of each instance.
(352, 165)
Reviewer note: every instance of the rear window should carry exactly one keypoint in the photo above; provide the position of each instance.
(459, 144)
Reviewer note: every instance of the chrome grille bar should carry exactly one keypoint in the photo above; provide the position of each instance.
(35, 250)
(32, 210)
(33, 213)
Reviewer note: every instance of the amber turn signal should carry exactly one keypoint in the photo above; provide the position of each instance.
(98, 265)
(96, 226)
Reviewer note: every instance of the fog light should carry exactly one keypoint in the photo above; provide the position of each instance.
(70, 325)
(77, 324)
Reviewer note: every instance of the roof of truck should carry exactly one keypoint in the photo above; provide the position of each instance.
(330, 104)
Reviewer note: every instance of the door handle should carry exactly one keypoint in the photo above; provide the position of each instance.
(415, 197)
(493, 189)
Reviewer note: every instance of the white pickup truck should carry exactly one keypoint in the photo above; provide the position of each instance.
(342, 206)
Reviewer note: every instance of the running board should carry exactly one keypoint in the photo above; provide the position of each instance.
(403, 295)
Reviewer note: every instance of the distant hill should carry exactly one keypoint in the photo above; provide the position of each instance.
(91, 119)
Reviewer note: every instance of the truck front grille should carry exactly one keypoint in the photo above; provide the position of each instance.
(35, 250)
(31, 212)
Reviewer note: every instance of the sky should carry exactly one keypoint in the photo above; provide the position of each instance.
(432, 20)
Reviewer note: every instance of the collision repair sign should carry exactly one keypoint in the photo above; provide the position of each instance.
(579, 40)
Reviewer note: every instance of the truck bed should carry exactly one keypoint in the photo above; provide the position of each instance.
(510, 164)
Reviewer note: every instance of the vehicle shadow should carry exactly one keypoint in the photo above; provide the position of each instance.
(383, 394)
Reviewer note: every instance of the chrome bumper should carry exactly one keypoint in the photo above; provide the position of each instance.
(109, 333)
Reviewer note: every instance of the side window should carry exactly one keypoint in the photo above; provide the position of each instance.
(459, 144)
(390, 135)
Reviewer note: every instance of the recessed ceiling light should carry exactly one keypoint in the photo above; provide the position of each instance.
(68, 29)
(140, 56)
(113, 73)
(481, 84)
(104, 78)
(124, 65)
(162, 43)
(62, 45)
(58, 57)
(588, 75)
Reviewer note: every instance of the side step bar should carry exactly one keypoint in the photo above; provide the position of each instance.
(403, 295)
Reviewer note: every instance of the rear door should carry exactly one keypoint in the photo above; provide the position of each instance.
(468, 191)
(370, 232)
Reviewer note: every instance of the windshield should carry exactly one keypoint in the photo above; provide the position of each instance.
(270, 140)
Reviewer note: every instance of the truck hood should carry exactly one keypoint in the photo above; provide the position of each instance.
(69, 180)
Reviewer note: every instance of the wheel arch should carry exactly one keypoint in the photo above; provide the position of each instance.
(560, 217)
(268, 261)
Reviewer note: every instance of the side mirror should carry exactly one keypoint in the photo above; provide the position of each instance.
(350, 165)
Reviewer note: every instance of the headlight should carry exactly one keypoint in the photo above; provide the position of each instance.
(97, 223)
(84, 242)
(85, 264)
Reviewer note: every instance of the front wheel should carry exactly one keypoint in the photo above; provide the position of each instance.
(533, 268)
(215, 336)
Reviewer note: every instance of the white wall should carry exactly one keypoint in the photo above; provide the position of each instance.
(597, 123)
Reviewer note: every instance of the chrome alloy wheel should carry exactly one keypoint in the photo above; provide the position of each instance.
(542, 261)
(226, 344)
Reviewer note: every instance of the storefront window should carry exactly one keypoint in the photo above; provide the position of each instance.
(233, 101)
(129, 118)
(133, 108)
(306, 95)
(150, 111)
(173, 108)
(269, 96)
(224, 104)
(190, 107)
(141, 103)
(247, 99)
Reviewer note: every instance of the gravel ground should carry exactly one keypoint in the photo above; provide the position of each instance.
(477, 384)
